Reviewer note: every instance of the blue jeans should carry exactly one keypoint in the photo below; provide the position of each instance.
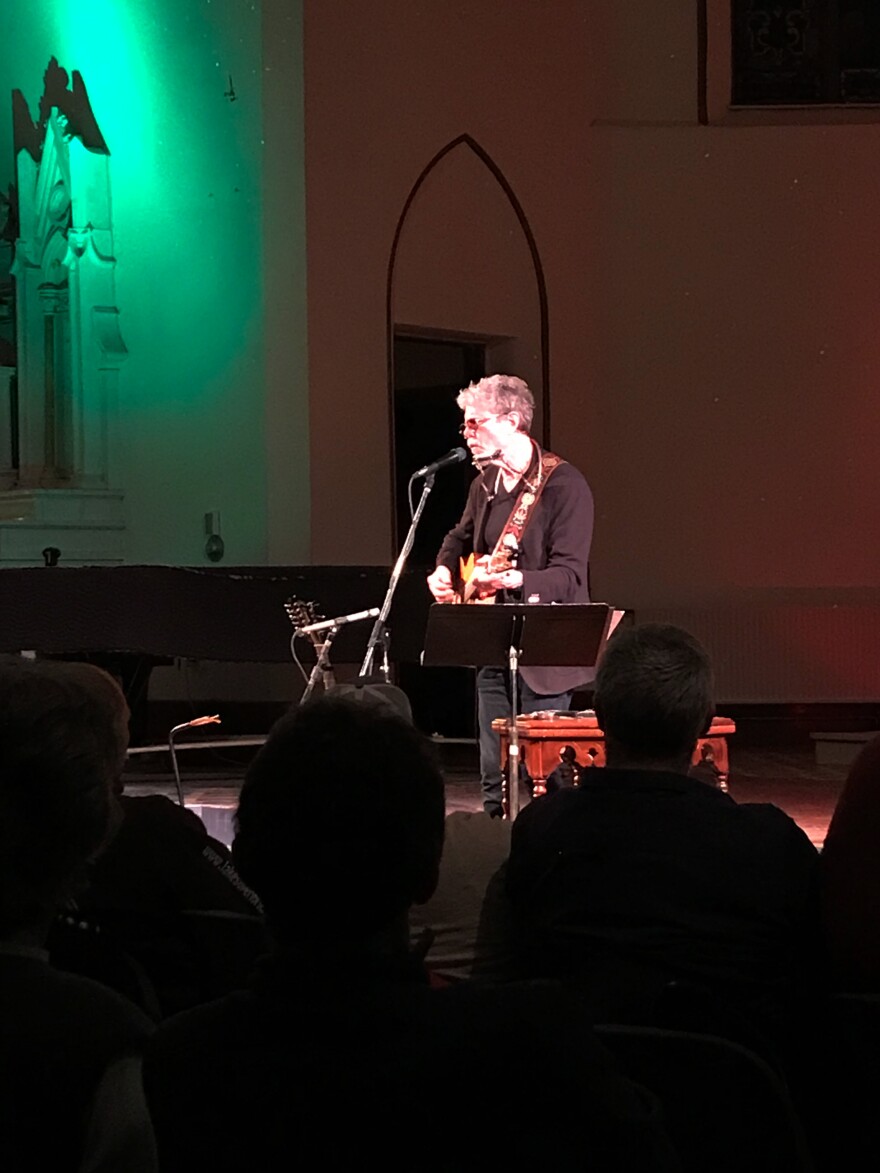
(493, 701)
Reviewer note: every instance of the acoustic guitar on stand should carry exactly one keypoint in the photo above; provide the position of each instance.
(302, 614)
(469, 582)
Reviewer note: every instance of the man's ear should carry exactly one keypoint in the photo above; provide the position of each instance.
(707, 724)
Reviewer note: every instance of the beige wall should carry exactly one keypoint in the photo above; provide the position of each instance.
(463, 266)
(284, 286)
(714, 352)
(388, 85)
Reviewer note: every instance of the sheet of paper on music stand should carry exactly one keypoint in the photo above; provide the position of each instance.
(614, 620)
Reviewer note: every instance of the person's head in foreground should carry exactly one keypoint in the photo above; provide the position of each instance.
(340, 824)
(654, 697)
(63, 739)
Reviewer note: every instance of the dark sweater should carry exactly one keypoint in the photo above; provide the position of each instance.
(639, 878)
(554, 555)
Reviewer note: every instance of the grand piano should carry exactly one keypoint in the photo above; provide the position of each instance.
(131, 618)
(231, 613)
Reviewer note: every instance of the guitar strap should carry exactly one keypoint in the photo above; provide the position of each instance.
(510, 538)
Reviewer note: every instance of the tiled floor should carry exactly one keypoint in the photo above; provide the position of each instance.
(791, 778)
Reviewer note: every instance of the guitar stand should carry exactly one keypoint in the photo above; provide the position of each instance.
(330, 629)
(322, 663)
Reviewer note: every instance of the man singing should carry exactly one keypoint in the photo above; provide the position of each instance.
(528, 521)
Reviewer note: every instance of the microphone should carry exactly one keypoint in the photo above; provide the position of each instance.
(326, 624)
(456, 456)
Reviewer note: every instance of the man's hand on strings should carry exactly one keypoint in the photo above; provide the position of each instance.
(487, 581)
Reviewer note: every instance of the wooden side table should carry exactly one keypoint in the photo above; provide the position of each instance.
(548, 740)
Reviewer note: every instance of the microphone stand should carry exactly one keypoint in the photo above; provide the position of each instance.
(379, 634)
(513, 747)
(172, 749)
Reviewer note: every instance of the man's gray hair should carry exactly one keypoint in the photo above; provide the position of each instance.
(654, 691)
(498, 395)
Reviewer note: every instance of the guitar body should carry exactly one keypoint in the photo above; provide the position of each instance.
(495, 563)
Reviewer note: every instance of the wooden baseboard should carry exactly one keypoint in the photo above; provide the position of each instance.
(791, 725)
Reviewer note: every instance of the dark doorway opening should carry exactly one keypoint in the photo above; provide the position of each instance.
(428, 374)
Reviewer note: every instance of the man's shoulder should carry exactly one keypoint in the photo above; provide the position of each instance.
(157, 813)
(543, 812)
(757, 827)
(771, 819)
(567, 478)
(609, 787)
(237, 1006)
(201, 1035)
(564, 470)
(62, 999)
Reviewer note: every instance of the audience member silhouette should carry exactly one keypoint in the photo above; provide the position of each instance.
(166, 895)
(644, 880)
(70, 1083)
(843, 1062)
(850, 871)
(341, 1054)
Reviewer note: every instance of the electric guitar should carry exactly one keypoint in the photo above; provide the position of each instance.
(302, 614)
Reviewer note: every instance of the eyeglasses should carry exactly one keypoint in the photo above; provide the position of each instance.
(474, 425)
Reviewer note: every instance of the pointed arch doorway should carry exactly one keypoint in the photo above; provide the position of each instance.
(465, 297)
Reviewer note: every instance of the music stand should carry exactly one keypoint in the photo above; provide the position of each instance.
(515, 635)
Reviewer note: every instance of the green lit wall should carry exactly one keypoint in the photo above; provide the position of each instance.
(177, 88)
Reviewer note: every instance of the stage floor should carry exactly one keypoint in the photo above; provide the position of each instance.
(789, 777)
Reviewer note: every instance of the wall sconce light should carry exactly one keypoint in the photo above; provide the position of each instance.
(214, 545)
